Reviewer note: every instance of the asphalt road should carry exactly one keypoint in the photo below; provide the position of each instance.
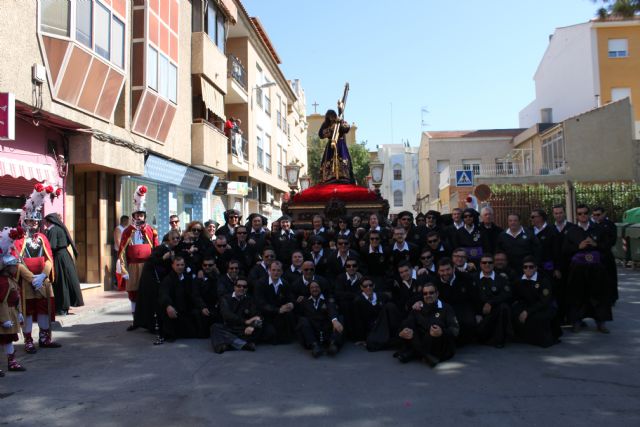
(105, 376)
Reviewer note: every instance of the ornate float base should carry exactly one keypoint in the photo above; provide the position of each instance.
(333, 201)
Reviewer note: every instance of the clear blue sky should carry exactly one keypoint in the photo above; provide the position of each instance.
(471, 65)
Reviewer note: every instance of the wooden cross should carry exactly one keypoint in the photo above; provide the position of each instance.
(315, 107)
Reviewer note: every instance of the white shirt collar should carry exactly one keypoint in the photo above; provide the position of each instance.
(536, 230)
(508, 231)
(345, 233)
(534, 277)
(583, 227)
(276, 284)
(374, 299)
(378, 251)
(561, 226)
(294, 269)
(492, 276)
(405, 246)
(470, 229)
(458, 225)
(320, 230)
(284, 233)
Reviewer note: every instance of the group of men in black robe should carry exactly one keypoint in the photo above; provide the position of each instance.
(422, 286)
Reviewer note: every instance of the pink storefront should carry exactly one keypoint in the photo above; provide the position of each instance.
(35, 156)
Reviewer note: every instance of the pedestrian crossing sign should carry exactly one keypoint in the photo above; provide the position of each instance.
(464, 178)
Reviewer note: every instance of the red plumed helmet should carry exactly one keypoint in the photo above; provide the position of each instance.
(142, 189)
(39, 188)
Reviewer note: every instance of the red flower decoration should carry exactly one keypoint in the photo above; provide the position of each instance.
(58, 192)
(39, 188)
(142, 190)
(49, 189)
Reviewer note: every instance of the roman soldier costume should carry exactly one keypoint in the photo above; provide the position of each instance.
(136, 244)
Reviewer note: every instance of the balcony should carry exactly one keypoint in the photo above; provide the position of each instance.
(238, 151)
(208, 147)
(208, 60)
(508, 170)
(236, 82)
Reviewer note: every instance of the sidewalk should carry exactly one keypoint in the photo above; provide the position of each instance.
(96, 300)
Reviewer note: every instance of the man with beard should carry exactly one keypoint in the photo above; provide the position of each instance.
(430, 332)
(66, 286)
(300, 288)
(136, 244)
(459, 291)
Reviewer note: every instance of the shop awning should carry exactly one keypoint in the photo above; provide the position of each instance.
(213, 99)
(166, 171)
(28, 170)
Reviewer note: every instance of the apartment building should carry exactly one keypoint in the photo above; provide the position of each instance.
(400, 179)
(441, 153)
(110, 94)
(585, 66)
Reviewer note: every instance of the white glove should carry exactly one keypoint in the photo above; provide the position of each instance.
(7, 324)
(38, 279)
(125, 277)
(20, 318)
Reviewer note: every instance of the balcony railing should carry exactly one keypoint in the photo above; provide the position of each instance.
(237, 71)
(239, 147)
(506, 169)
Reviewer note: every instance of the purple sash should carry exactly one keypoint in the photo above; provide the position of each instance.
(473, 252)
(586, 258)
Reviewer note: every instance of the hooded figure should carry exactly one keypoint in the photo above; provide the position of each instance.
(66, 286)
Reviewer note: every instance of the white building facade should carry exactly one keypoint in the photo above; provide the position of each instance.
(400, 183)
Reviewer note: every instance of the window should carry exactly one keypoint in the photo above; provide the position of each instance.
(163, 76)
(397, 198)
(117, 42)
(173, 87)
(259, 97)
(618, 48)
(102, 22)
(397, 172)
(552, 152)
(284, 162)
(214, 25)
(618, 93)
(259, 152)
(504, 167)
(267, 154)
(471, 165)
(278, 111)
(279, 158)
(267, 105)
(152, 68)
(54, 17)
(84, 18)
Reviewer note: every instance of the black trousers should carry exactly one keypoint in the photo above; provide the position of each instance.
(495, 328)
(423, 345)
(321, 333)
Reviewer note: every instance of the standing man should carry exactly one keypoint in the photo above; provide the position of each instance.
(66, 286)
(232, 219)
(117, 235)
(516, 242)
(491, 230)
(136, 244)
(599, 216)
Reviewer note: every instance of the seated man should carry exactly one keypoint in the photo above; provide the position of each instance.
(376, 318)
(204, 297)
(300, 288)
(406, 290)
(347, 289)
(318, 325)
(176, 319)
(495, 296)
(241, 325)
(533, 309)
(275, 304)
(227, 280)
(430, 332)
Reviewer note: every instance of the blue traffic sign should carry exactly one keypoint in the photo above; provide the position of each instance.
(464, 178)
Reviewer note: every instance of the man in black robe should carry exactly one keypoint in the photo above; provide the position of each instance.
(204, 298)
(66, 285)
(241, 324)
(176, 316)
(276, 304)
(318, 325)
(430, 332)
(496, 297)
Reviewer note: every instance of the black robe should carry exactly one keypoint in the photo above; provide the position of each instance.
(66, 286)
(154, 270)
(535, 297)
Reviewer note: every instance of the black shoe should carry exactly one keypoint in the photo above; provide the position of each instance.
(432, 361)
(603, 329)
(131, 327)
(249, 346)
(220, 348)
(405, 356)
(316, 350)
(332, 350)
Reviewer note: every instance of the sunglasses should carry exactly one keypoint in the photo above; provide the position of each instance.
(366, 285)
(528, 267)
(241, 286)
(534, 216)
(467, 216)
(429, 293)
(433, 241)
(342, 243)
(173, 222)
(241, 232)
(208, 265)
(486, 262)
(221, 246)
(308, 269)
(196, 230)
(582, 213)
(374, 238)
(233, 268)
(426, 257)
(351, 265)
(269, 256)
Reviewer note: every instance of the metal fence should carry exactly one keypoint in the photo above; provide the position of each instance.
(615, 197)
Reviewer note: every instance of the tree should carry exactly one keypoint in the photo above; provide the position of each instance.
(359, 159)
(621, 8)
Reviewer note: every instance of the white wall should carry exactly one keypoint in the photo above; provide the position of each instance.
(567, 77)
(407, 158)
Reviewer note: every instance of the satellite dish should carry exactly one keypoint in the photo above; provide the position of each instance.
(482, 192)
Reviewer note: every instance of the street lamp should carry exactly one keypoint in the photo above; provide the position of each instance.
(260, 87)
(292, 171)
(305, 182)
(376, 169)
